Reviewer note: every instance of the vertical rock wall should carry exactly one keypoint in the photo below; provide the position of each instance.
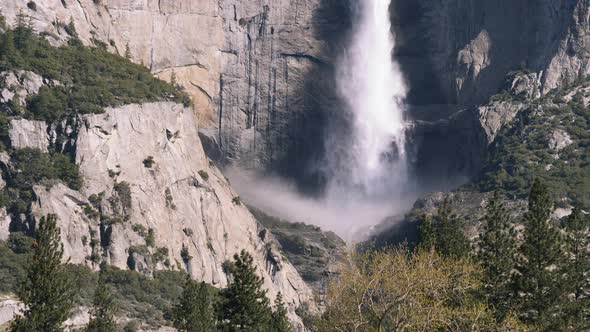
(260, 71)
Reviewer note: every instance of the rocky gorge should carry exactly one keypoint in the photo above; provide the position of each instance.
(260, 75)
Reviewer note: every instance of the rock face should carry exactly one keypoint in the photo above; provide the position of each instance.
(559, 140)
(26, 133)
(261, 73)
(257, 70)
(463, 49)
(457, 54)
(152, 200)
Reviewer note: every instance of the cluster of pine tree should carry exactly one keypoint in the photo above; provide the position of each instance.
(242, 306)
(541, 274)
(48, 295)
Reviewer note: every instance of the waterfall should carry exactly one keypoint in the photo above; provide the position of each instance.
(372, 86)
(365, 162)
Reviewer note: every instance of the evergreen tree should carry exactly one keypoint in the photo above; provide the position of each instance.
(47, 293)
(577, 270)
(127, 52)
(103, 309)
(427, 233)
(244, 305)
(497, 254)
(444, 231)
(194, 312)
(279, 321)
(540, 281)
(23, 31)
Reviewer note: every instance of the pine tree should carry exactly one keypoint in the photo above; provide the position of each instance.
(427, 233)
(127, 51)
(540, 281)
(444, 231)
(279, 321)
(103, 309)
(497, 254)
(23, 31)
(47, 293)
(194, 312)
(577, 270)
(244, 305)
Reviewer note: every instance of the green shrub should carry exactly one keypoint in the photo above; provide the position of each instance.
(139, 229)
(169, 199)
(149, 162)
(20, 243)
(35, 167)
(123, 191)
(32, 5)
(521, 154)
(186, 257)
(150, 238)
(204, 175)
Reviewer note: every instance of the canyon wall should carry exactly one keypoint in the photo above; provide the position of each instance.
(457, 54)
(151, 200)
(259, 72)
(460, 51)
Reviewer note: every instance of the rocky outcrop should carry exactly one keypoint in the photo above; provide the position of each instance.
(18, 85)
(4, 224)
(559, 140)
(468, 206)
(454, 144)
(9, 307)
(28, 134)
(152, 200)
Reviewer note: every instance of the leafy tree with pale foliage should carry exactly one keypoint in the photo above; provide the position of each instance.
(396, 290)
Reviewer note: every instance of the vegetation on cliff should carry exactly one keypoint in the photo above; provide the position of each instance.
(549, 139)
(90, 78)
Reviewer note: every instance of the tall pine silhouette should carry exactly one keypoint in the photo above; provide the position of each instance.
(541, 254)
(244, 305)
(103, 309)
(445, 232)
(194, 312)
(279, 321)
(497, 254)
(577, 270)
(47, 293)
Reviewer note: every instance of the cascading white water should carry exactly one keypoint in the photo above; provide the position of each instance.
(366, 160)
(372, 86)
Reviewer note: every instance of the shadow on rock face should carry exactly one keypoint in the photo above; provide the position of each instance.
(315, 107)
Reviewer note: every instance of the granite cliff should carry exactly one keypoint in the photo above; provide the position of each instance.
(258, 71)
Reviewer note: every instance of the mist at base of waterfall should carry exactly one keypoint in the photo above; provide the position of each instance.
(347, 213)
